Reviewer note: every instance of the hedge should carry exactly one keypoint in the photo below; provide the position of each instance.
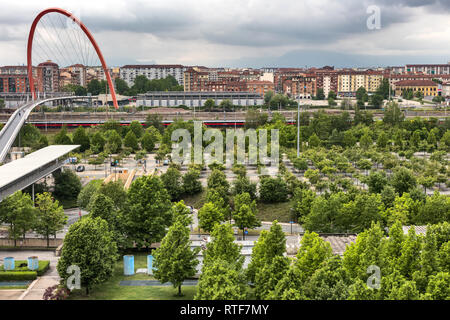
(17, 275)
(44, 265)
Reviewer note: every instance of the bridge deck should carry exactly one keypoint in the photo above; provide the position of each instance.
(21, 173)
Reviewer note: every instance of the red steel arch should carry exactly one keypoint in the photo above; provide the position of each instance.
(88, 34)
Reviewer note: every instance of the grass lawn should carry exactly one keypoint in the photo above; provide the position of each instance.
(13, 288)
(274, 211)
(196, 200)
(111, 290)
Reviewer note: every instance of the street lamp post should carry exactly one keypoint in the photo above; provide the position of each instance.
(298, 128)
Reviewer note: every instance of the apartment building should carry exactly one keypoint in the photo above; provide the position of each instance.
(283, 74)
(446, 90)
(261, 87)
(152, 72)
(196, 78)
(327, 79)
(303, 87)
(47, 77)
(14, 83)
(349, 81)
(428, 68)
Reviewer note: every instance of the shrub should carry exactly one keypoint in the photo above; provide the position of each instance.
(273, 190)
(17, 275)
(56, 293)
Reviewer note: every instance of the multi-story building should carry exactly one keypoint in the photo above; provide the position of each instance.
(326, 79)
(303, 87)
(428, 68)
(258, 86)
(18, 70)
(427, 87)
(283, 74)
(400, 77)
(152, 72)
(47, 77)
(75, 74)
(446, 90)
(349, 81)
(196, 79)
(14, 83)
(224, 86)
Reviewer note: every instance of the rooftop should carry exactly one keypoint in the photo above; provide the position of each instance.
(416, 83)
(419, 229)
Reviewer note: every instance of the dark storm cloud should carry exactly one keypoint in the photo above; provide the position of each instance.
(252, 28)
(430, 4)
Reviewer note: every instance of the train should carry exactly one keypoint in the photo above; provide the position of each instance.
(88, 123)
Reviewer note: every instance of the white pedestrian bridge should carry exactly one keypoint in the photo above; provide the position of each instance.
(12, 127)
(19, 174)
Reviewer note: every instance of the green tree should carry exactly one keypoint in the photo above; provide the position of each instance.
(173, 183)
(61, 137)
(403, 180)
(86, 193)
(376, 181)
(438, 286)
(67, 185)
(366, 141)
(113, 141)
(268, 96)
(393, 115)
(436, 209)
(148, 211)
(376, 100)
(115, 191)
(50, 216)
(121, 86)
(148, 142)
(270, 244)
(226, 105)
(313, 252)
(382, 140)
(80, 137)
(366, 251)
(174, 259)
(272, 190)
(314, 141)
(223, 248)
(94, 87)
(209, 105)
(361, 95)
(97, 142)
(131, 141)
(102, 206)
(221, 281)
(302, 202)
(245, 212)
(209, 215)
(244, 185)
(90, 245)
(18, 213)
(330, 282)
(137, 128)
(191, 182)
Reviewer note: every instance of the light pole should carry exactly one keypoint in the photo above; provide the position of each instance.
(298, 128)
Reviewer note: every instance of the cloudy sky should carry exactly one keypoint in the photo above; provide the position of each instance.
(253, 33)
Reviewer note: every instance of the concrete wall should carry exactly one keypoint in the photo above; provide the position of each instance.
(31, 243)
